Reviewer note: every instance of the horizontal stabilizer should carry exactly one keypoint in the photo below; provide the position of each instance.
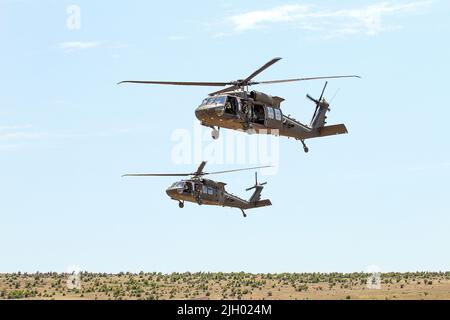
(332, 130)
(263, 203)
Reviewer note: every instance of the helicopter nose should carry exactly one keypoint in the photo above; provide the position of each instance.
(206, 114)
(202, 114)
(171, 192)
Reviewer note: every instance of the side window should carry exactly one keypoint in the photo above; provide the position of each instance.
(269, 112)
(210, 191)
(277, 114)
(205, 189)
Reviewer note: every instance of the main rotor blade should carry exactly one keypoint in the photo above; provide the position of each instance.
(226, 171)
(198, 173)
(264, 67)
(180, 83)
(312, 99)
(323, 91)
(157, 174)
(337, 91)
(200, 168)
(227, 89)
(304, 79)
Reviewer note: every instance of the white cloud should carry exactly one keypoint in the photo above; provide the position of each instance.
(16, 136)
(219, 35)
(70, 46)
(255, 19)
(178, 38)
(78, 45)
(15, 127)
(362, 20)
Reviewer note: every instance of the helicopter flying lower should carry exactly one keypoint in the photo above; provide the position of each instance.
(199, 190)
(237, 108)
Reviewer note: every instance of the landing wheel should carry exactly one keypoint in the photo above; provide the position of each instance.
(244, 214)
(305, 148)
(215, 133)
(199, 201)
(181, 204)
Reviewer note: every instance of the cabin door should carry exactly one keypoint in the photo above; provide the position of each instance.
(273, 118)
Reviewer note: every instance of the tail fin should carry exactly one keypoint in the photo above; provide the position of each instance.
(255, 199)
(256, 196)
(318, 121)
(319, 118)
(322, 107)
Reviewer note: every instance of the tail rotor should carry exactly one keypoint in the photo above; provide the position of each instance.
(321, 95)
(255, 199)
(322, 106)
(256, 183)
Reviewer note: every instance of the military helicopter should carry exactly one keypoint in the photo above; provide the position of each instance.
(237, 108)
(209, 192)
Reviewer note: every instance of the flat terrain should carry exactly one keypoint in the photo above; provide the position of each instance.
(419, 285)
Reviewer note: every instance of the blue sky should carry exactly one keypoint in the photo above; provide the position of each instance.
(377, 196)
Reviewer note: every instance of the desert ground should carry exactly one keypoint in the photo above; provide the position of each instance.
(200, 286)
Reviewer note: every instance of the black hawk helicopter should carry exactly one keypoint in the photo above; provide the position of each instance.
(237, 108)
(209, 192)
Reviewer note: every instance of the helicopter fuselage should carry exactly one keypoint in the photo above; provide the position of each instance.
(236, 108)
(257, 112)
(209, 192)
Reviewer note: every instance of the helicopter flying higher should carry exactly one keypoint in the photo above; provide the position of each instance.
(237, 108)
(209, 192)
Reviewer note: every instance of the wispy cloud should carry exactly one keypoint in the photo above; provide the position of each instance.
(71, 46)
(16, 136)
(259, 18)
(15, 127)
(221, 35)
(78, 45)
(178, 38)
(366, 20)
(428, 166)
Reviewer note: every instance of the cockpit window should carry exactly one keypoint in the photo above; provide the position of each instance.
(220, 100)
(178, 185)
(215, 100)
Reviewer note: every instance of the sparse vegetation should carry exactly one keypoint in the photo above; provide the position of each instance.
(156, 286)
